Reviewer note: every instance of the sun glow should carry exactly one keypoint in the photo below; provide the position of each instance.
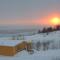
(55, 21)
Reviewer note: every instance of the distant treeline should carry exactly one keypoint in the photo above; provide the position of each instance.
(49, 29)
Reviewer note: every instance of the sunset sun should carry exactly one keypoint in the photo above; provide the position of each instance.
(55, 21)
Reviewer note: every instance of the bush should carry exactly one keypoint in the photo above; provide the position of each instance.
(38, 44)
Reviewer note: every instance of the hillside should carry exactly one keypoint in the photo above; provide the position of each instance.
(53, 52)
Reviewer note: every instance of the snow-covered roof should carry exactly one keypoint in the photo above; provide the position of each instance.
(9, 42)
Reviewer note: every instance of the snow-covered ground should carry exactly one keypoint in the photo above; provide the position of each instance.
(44, 37)
(38, 55)
(50, 54)
(53, 38)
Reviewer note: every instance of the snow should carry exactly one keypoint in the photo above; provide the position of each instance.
(41, 55)
(44, 37)
(9, 42)
(50, 54)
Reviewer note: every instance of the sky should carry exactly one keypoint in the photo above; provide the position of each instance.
(28, 12)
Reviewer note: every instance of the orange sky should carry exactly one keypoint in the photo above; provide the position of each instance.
(37, 21)
(29, 12)
(25, 22)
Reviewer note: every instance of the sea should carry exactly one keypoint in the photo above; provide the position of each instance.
(11, 33)
(7, 31)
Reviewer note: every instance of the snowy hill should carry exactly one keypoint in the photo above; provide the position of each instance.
(53, 52)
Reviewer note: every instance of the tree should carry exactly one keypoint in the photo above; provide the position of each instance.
(49, 29)
(44, 30)
(38, 44)
(58, 27)
(39, 31)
